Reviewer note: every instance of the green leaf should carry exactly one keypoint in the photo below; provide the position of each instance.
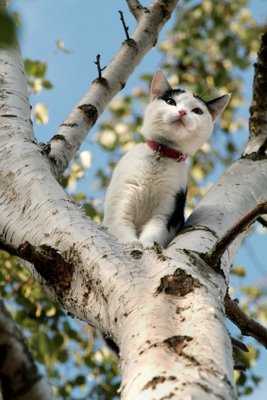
(239, 270)
(63, 356)
(35, 68)
(47, 84)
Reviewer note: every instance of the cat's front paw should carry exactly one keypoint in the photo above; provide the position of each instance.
(148, 244)
(136, 244)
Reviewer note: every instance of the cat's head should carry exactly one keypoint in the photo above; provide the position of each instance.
(178, 118)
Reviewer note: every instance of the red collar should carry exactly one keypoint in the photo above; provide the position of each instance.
(161, 150)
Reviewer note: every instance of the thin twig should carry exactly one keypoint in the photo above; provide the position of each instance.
(125, 27)
(136, 8)
(99, 69)
(214, 256)
(247, 326)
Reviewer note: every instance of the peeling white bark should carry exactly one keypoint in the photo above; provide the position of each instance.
(165, 309)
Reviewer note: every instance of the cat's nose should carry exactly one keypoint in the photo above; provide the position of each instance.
(182, 112)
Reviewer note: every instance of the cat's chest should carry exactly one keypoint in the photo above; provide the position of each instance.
(146, 169)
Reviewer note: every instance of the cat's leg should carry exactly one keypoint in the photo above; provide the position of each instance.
(124, 232)
(155, 230)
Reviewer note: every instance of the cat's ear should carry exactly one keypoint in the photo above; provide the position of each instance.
(159, 85)
(216, 106)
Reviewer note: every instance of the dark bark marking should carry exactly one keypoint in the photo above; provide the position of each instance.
(131, 43)
(158, 250)
(152, 384)
(137, 254)
(70, 125)
(50, 265)
(168, 396)
(177, 343)
(179, 283)
(102, 81)
(192, 360)
(59, 137)
(90, 112)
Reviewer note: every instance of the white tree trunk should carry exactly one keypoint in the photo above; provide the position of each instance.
(164, 309)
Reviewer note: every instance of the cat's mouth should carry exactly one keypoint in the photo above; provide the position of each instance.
(179, 122)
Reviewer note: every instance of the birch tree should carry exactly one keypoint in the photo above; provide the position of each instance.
(165, 309)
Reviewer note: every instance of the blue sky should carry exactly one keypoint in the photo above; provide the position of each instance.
(88, 28)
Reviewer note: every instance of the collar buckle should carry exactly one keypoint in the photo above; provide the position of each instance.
(161, 150)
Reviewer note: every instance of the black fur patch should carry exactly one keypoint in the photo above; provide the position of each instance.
(171, 93)
(176, 219)
(200, 98)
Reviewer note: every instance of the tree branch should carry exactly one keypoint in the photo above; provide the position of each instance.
(247, 326)
(136, 8)
(258, 109)
(19, 375)
(214, 256)
(64, 145)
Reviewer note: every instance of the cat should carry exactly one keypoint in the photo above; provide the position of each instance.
(146, 196)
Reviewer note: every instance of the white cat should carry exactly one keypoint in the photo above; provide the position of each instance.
(146, 196)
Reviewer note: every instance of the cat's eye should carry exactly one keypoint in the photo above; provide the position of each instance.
(170, 101)
(197, 110)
